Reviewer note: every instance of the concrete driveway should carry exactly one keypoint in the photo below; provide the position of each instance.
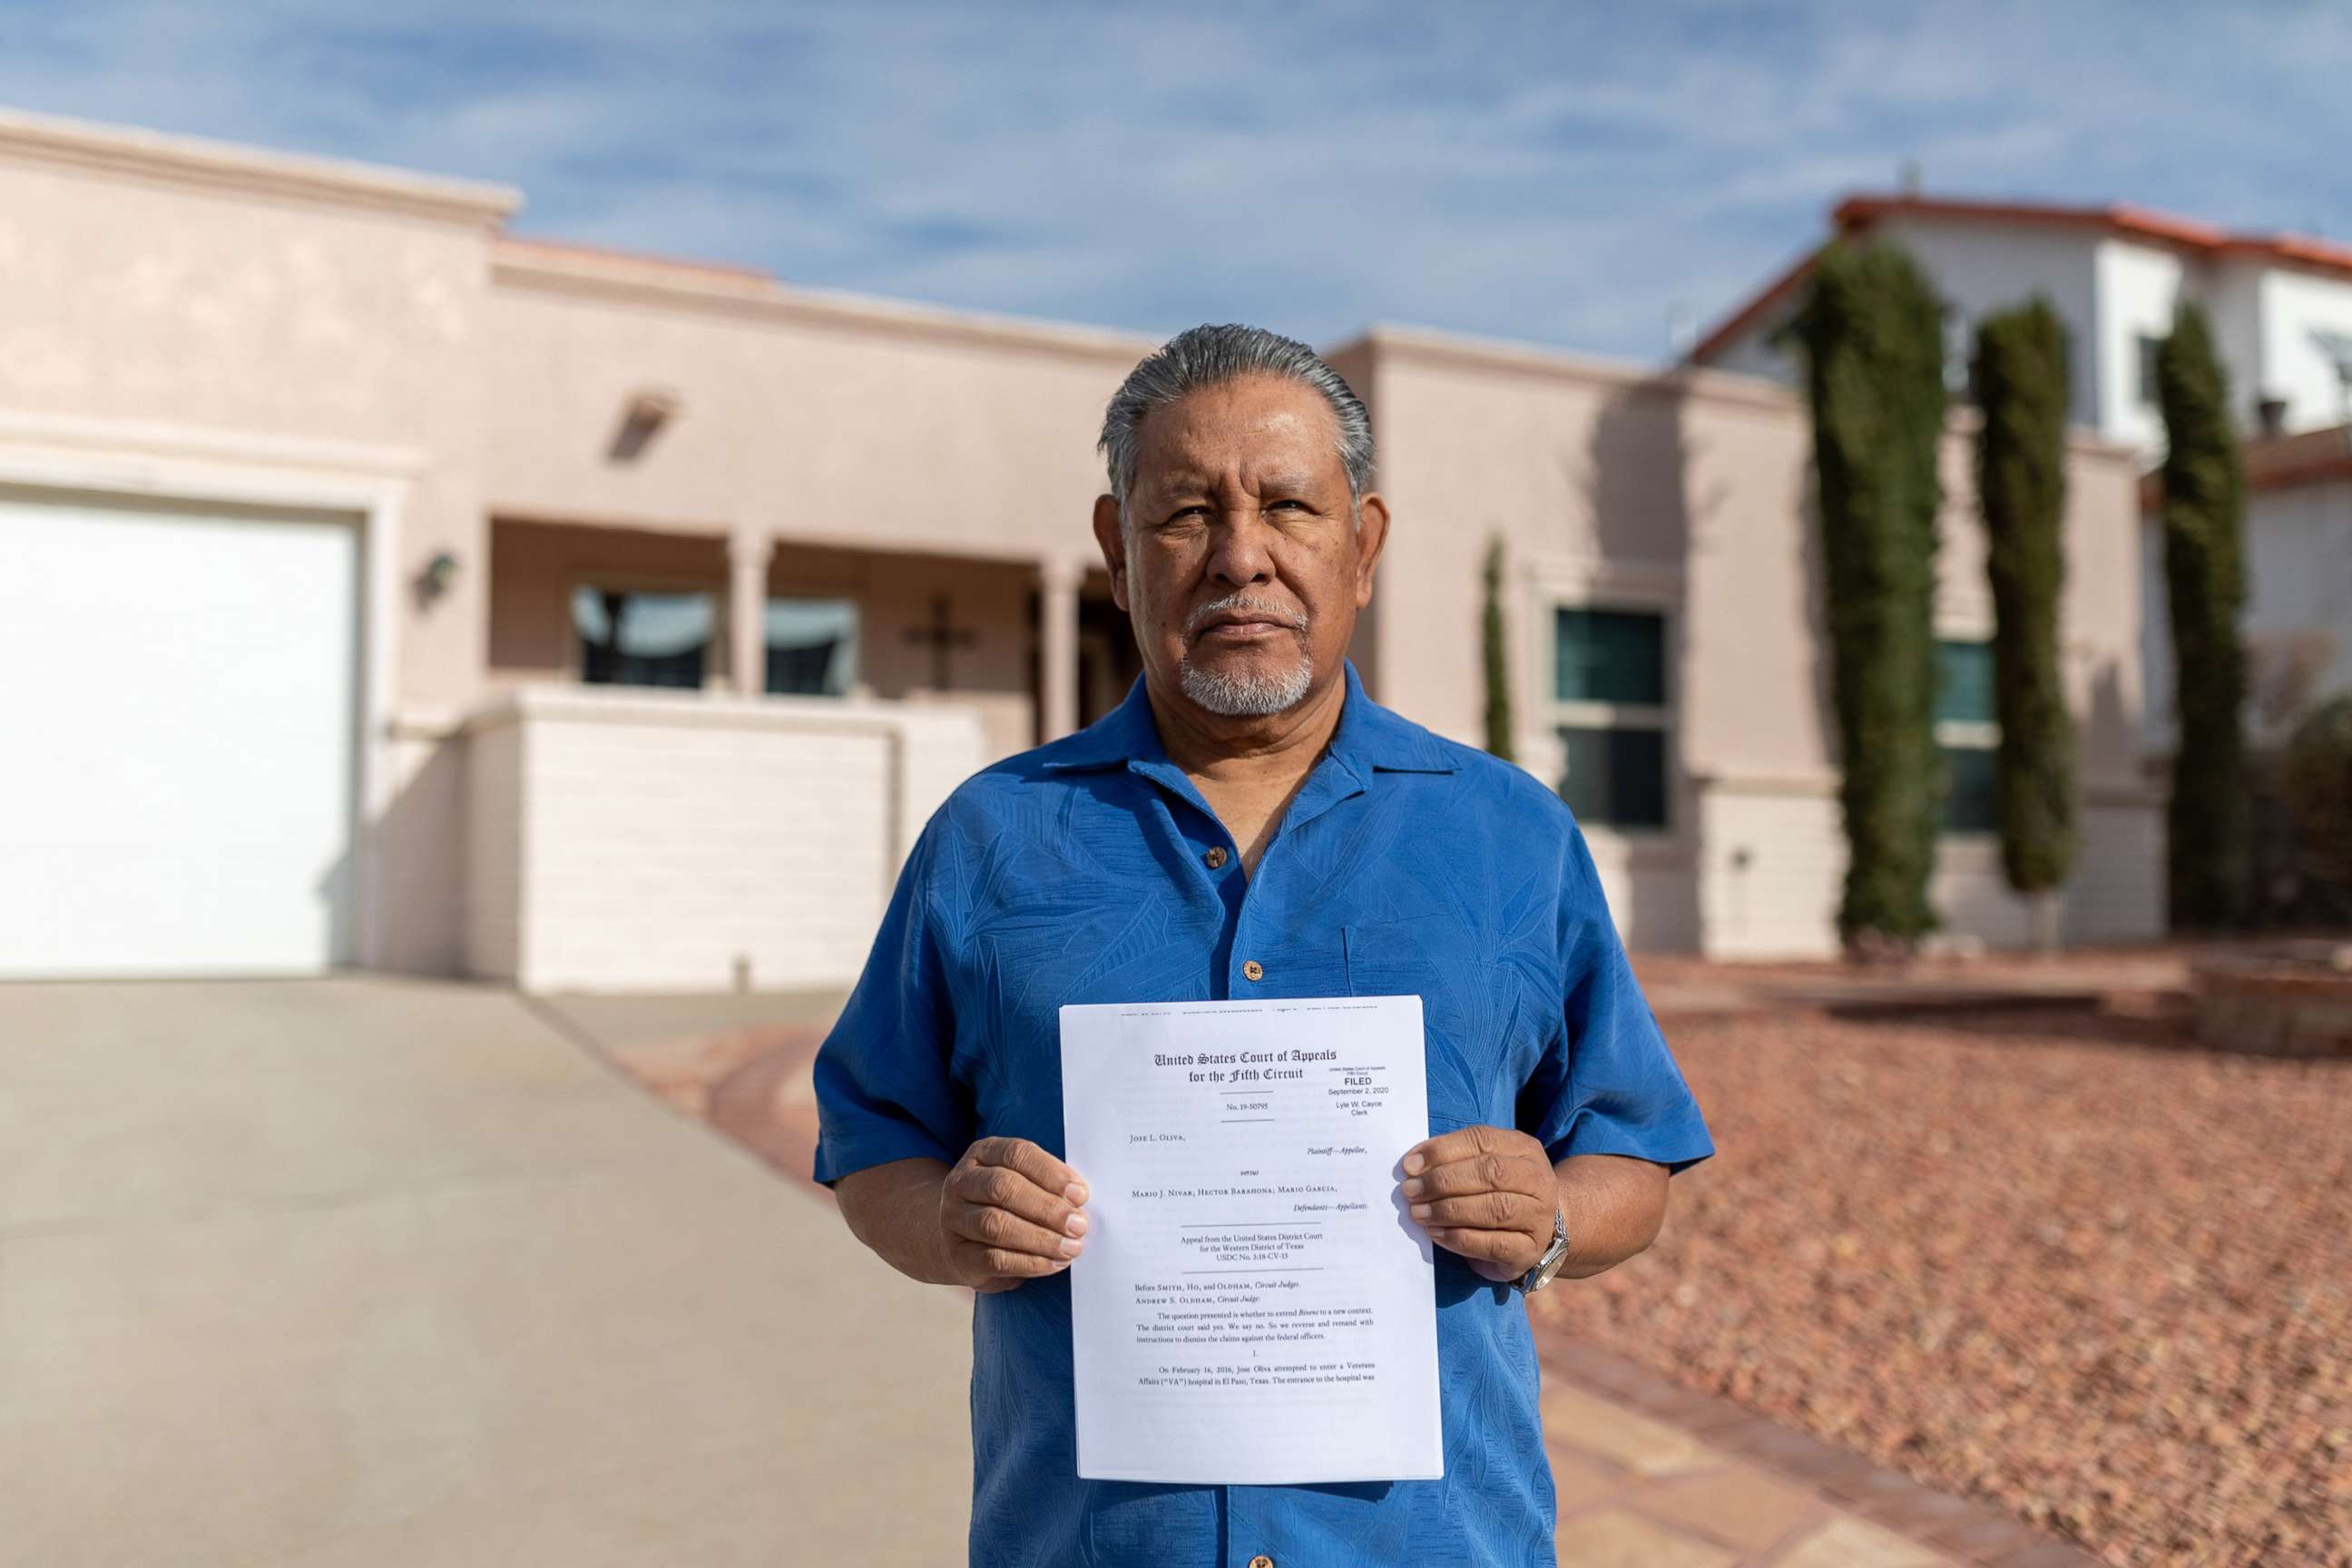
(369, 1271)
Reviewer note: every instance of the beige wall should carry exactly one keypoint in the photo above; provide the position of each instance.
(822, 420)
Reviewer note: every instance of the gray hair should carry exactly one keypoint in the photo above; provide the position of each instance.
(1210, 356)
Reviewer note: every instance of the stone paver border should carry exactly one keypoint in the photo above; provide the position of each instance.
(1969, 1532)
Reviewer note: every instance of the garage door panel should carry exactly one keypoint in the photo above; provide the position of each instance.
(179, 691)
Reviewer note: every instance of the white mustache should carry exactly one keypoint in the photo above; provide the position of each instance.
(1245, 604)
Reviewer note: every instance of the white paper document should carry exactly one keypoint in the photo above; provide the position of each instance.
(1253, 1305)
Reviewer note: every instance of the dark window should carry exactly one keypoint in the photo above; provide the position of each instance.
(1964, 683)
(643, 639)
(1609, 656)
(1967, 733)
(812, 646)
(1614, 778)
(1971, 805)
(2149, 347)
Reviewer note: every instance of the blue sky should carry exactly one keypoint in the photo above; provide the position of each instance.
(1576, 175)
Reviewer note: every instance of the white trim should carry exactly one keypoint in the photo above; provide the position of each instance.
(133, 446)
(236, 471)
(1598, 581)
(1969, 734)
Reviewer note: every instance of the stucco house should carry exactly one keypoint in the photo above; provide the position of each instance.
(2281, 307)
(388, 590)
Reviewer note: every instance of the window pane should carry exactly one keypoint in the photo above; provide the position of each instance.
(642, 639)
(1611, 656)
(812, 646)
(1615, 778)
(1964, 683)
(1972, 805)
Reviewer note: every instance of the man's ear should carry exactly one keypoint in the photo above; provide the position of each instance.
(1371, 538)
(1113, 541)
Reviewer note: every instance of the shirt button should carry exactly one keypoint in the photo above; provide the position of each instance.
(1261, 1561)
(1252, 970)
(1215, 856)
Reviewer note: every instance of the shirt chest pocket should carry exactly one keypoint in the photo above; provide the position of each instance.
(1482, 1035)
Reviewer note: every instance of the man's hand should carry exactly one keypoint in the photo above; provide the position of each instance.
(1009, 1212)
(1487, 1192)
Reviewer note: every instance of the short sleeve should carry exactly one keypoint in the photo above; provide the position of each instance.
(884, 1091)
(1607, 1083)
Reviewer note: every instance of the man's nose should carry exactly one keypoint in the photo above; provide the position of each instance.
(1239, 552)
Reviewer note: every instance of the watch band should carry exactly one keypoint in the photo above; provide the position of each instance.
(1546, 1266)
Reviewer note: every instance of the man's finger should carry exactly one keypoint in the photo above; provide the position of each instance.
(1467, 1142)
(1002, 1186)
(996, 1261)
(1508, 1247)
(1482, 1174)
(1003, 1229)
(1486, 1211)
(1020, 1154)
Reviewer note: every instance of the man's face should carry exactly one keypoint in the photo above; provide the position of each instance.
(1240, 560)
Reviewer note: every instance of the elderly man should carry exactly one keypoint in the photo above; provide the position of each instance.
(1249, 824)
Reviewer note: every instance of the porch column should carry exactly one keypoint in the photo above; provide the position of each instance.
(748, 555)
(1058, 659)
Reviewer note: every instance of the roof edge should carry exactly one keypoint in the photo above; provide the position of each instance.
(200, 160)
(591, 271)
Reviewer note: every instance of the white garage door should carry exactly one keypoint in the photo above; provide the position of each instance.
(177, 696)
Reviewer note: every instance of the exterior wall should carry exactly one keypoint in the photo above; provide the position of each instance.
(2137, 289)
(1691, 494)
(2299, 572)
(314, 321)
(2298, 542)
(1752, 351)
(1979, 272)
(2159, 721)
(495, 824)
(2294, 305)
(1582, 474)
(671, 841)
(821, 421)
(2232, 297)
(1982, 271)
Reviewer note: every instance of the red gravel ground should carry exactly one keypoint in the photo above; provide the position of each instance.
(2059, 1259)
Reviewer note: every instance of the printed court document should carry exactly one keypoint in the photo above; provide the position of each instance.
(1253, 1306)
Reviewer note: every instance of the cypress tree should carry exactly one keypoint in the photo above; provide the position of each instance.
(1872, 333)
(1498, 664)
(2019, 377)
(2204, 578)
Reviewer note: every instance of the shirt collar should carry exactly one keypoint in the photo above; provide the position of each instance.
(1369, 738)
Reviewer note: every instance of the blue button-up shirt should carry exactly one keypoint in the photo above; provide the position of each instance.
(1406, 864)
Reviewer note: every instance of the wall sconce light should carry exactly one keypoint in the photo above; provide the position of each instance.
(647, 410)
(438, 573)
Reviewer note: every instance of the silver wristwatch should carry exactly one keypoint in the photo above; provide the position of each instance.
(1555, 1255)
